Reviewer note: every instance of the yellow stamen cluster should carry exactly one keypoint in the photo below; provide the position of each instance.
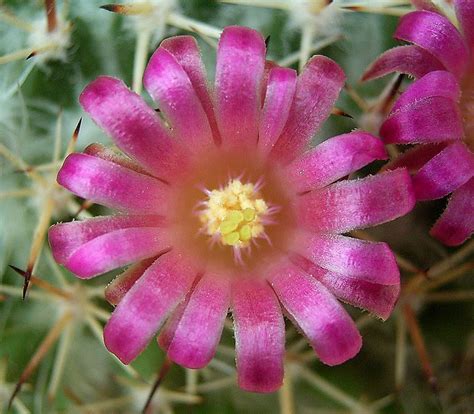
(234, 214)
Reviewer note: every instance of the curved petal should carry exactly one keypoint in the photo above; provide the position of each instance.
(259, 336)
(437, 35)
(317, 90)
(425, 5)
(444, 173)
(410, 59)
(465, 14)
(239, 72)
(121, 284)
(361, 259)
(356, 204)
(133, 125)
(112, 185)
(438, 83)
(66, 238)
(429, 120)
(376, 298)
(115, 249)
(169, 85)
(280, 91)
(456, 224)
(186, 51)
(334, 159)
(198, 328)
(146, 306)
(328, 327)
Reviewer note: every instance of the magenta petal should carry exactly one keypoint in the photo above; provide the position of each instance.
(437, 83)
(121, 284)
(186, 51)
(112, 185)
(411, 60)
(456, 224)
(330, 330)
(334, 159)
(367, 260)
(317, 90)
(239, 72)
(428, 120)
(352, 204)
(115, 249)
(66, 238)
(259, 336)
(133, 125)
(169, 85)
(280, 90)
(445, 172)
(146, 306)
(437, 35)
(465, 15)
(199, 328)
(374, 297)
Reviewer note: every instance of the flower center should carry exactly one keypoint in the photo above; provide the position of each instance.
(236, 214)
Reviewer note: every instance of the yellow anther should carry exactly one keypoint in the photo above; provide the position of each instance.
(249, 214)
(234, 213)
(231, 239)
(245, 233)
(228, 226)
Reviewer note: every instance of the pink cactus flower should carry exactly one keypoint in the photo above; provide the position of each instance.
(436, 111)
(223, 206)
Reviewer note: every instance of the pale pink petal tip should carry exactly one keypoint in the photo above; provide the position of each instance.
(259, 336)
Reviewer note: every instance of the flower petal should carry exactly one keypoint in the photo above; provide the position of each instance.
(146, 306)
(317, 90)
(134, 126)
(259, 336)
(374, 297)
(66, 238)
(355, 204)
(317, 313)
(444, 173)
(333, 159)
(112, 185)
(456, 224)
(437, 83)
(429, 120)
(436, 34)
(361, 259)
(280, 90)
(115, 249)
(121, 284)
(239, 72)
(186, 51)
(169, 85)
(198, 328)
(465, 14)
(411, 60)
